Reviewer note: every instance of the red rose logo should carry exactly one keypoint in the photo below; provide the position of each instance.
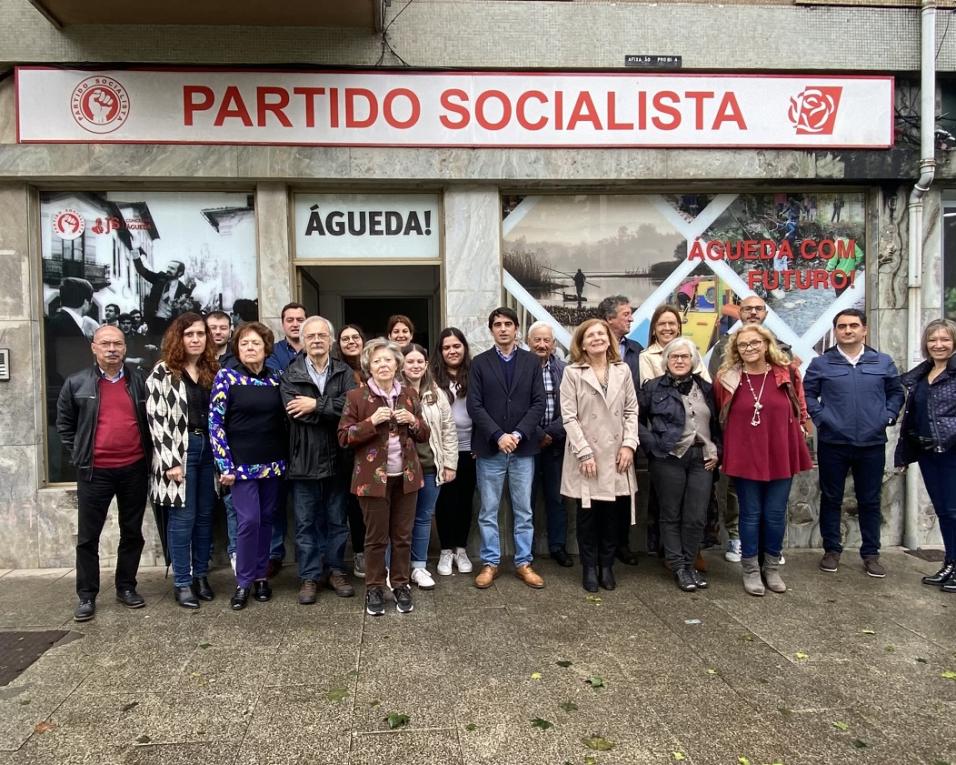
(814, 111)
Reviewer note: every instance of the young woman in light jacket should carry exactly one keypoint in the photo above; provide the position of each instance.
(599, 409)
(439, 456)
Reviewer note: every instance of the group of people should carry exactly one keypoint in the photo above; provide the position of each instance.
(376, 439)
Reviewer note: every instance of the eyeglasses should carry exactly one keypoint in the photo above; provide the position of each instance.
(350, 339)
(753, 309)
(116, 344)
(318, 336)
(680, 356)
(749, 346)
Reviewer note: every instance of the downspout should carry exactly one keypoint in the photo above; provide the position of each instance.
(927, 168)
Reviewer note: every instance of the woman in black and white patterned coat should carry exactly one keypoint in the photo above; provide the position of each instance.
(182, 478)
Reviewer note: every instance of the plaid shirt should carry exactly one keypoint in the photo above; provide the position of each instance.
(550, 394)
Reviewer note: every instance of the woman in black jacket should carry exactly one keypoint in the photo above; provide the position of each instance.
(679, 431)
(928, 435)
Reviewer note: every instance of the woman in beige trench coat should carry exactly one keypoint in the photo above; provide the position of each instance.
(599, 409)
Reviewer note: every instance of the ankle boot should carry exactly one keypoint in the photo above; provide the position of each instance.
(606, 577)
(771, 574)
(943, 575)
(753, 584)
(590, 578)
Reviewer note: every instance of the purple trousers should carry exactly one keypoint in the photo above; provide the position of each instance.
(255, 502)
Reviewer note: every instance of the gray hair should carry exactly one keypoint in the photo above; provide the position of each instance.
(682, 342)
(313, 319)
(378, 344)
(607, 308)
(539, 325)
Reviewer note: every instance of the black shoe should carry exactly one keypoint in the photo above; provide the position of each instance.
(943, 575)
(375, 602)
(562, 558)
(261, 591)
(403, 599)
(590, 579)
(627, 557)
(130, 598)
(202, 590)
(606, 577)
(186, 597)
(950, 584)
(685, 580)
(84, 611)
(699, 579)
(239, 599)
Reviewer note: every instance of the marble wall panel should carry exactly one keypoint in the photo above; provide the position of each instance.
(18, 425)
(275, 253)
(44, 161)
(702, 164)
(18, 510)
(304, 163)
(162, 161)
(8, 115)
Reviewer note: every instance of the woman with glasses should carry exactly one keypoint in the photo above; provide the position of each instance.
(762, 412)
(681, 436)
(666, 324)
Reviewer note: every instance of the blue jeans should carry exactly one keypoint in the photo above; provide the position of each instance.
(763, 515)
(231, 524)
(491, 479)
(424, 510)
(547, 480)
(939, 475)
(189, 531)
(867, 463)
(321, 526)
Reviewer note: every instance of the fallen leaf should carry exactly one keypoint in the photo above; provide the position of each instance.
(743, 761)
(598, 743)
(868, 632)
(678, 756)
(948, 675)
(336, 694)
(205, 645)
(44, 727)
(801, 655)
(397, 720)
(890, 649)
(590, 759)
(940, 762)
(596, 682)
(470, 727)
(144, 739)
(24, 702)
(537, 722)
(374, 703)
(711, 671)
(563, 663)
(131, 705)
(535, 675)
(859, 743)
(748, 638)
(840, 726)
(595, 599)
(785, 711)
(568, 706)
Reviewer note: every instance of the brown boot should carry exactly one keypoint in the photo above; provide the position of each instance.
(308, 592)
(486, 576)
(753, 584)
(527, 575)
(339, 582)
(771, 574)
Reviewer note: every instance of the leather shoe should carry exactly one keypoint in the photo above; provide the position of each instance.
(949, 586)
(84, 611)
(527, 575)
(685, 579)
(589, 579)
(130, 598)
(186, 597)
(239, 599)
(202, 589)
(606, 577)
(308, 592)
(486, 576)
(942, 576)
(339, 583)
(562, 558)
(699, 579)
(626, 556)
(261, 591)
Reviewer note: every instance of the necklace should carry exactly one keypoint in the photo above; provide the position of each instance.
(755, 419)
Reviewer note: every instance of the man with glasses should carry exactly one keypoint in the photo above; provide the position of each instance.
(101, 419)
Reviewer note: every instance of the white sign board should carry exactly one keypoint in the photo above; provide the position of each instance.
(366, 226)
(477, 109)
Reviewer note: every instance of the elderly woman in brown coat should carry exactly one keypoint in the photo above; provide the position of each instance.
(599, 409)
(382, 423)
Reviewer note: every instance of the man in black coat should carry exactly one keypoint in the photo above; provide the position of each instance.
(313, 390)
(505, 402)
(168, 287)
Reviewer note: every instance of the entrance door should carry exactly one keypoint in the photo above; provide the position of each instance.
(373, 313)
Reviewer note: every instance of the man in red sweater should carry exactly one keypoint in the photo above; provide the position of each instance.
(101, 419)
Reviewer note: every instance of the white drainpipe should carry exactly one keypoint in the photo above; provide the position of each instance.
(927, 166)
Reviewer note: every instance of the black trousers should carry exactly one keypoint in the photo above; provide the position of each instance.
(683, 488)
(454, 509)
(129, 486)
(598, 530)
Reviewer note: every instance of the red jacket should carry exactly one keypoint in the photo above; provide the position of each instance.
(785, 377)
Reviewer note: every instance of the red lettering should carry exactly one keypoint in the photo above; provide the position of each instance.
(455, 108)
(839, 280)
(232, 107)
(785, 250)
(666, 109)
(371, 106)
(826, 249)
(715, 251)
(612, 123)
(846, 248)
(264, 105)
(520, 110)
(808, 250)
(767, 249)
(754, 278)
(750, 250)
(729, 111)
(584, 111)
(333, 107)
(642, 110)
(309, 96)
(414, 103)
(698, 96)
(696, 251)
(559, 110)
(190, 104)
(480, 116)
(820, 278)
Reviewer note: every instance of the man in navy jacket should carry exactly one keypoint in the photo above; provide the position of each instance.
(853, 394)
(505, 402)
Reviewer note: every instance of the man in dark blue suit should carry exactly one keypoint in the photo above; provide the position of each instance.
(506, 403)
(616, 311)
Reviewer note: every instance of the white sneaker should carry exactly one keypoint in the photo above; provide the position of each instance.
(232, 562)
(444, 563)
(733, 551)
(423, 579)
(461, 561)
(782, 560)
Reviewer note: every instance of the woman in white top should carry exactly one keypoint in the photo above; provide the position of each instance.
(666, 324)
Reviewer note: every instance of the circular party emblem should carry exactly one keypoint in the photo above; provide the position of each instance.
(68, 224)
(100, 104)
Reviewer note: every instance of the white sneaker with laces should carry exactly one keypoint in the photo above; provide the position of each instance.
(423, 579)
(461, 561)
(733, 551)
(444, 562)
(232, 562)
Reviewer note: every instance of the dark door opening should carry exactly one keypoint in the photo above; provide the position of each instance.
(372, 314)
